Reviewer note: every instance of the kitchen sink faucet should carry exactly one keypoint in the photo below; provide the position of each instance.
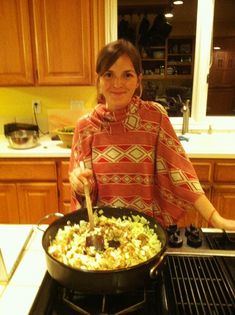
(185, 111)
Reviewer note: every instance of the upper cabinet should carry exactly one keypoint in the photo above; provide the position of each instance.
(16, 67)
(47, 42)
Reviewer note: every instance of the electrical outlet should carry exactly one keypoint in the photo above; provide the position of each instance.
(36, 106)
(76, 104)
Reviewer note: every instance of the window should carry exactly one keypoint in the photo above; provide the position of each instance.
(203, 42)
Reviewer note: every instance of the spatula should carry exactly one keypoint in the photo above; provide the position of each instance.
(93, 240)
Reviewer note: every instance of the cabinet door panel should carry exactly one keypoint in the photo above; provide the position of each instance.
(223, 198)
(16, 65)
(63, 43)
(224, 172)
(8, 204)
(203, 170)
(36, 200)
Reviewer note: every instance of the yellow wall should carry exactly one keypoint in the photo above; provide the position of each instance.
(16, 102)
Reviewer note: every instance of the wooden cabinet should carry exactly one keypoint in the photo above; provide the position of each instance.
(50, 42)
(9, 212)
(32, 188)
(64, 186)
(204, 170)
(16, 64)
(28, 190)
(223, 192)
(223, 198)
(217, 177)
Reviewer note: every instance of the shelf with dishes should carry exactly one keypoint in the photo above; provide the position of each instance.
(173, 60)
(167, 77)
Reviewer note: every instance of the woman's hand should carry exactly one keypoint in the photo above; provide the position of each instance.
(220, 222)
(212, 216)
(78, 178)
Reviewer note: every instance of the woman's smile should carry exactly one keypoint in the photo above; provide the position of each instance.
(119, 83)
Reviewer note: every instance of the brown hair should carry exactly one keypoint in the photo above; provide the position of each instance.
(109, 54)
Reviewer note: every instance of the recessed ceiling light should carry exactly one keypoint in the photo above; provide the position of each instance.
(217, 48)
(178, 2)
(168, 15)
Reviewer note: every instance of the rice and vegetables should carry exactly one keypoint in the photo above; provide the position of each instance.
(137, 243)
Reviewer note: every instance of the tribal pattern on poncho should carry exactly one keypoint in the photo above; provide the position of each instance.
(137, 161)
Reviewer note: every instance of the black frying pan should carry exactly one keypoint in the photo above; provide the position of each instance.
(107, 281)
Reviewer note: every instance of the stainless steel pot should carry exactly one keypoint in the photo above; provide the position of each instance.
(107, 281)
(23, 139)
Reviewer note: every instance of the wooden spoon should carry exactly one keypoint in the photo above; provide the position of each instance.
(93, 240)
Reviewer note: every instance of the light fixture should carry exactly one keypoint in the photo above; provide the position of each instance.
(178, 2)
(168, 14)
(169, 11)
(217, 48)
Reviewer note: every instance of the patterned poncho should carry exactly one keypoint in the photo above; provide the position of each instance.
(137, 161)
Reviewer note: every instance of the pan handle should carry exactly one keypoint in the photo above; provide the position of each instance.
(49, 215)
(155, 269)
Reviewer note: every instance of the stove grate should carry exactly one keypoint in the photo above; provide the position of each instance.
(199, 286)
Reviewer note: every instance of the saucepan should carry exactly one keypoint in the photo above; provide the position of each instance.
(103, 281)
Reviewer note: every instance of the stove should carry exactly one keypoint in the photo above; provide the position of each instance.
(197, 276)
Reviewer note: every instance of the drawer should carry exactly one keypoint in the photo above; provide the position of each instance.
(28, 170)
(224, 172)
(203, 170)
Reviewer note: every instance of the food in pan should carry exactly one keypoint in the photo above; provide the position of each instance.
(128, 241)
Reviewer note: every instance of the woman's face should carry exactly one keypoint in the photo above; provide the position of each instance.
(119, 83)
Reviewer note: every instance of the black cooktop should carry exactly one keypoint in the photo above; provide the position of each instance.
(53, 299)
(186, 285)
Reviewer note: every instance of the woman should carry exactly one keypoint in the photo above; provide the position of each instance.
(132, 155)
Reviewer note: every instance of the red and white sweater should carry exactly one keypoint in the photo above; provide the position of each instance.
(137, 161)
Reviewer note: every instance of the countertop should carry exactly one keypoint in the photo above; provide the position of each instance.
(17, 296)
(216, 145)
(46, 148)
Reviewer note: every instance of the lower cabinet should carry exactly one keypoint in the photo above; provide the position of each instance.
(36, 200)
(217, 177)
(223, 198)
(64, 186)
(28, 190)
(9, 212)
(33, 188)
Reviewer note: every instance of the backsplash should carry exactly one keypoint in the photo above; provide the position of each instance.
(16, 104)
(58, 118)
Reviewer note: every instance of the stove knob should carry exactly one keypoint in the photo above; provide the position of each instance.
(194, 239)
(190, 229)
(175, 240)
(172, 228)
